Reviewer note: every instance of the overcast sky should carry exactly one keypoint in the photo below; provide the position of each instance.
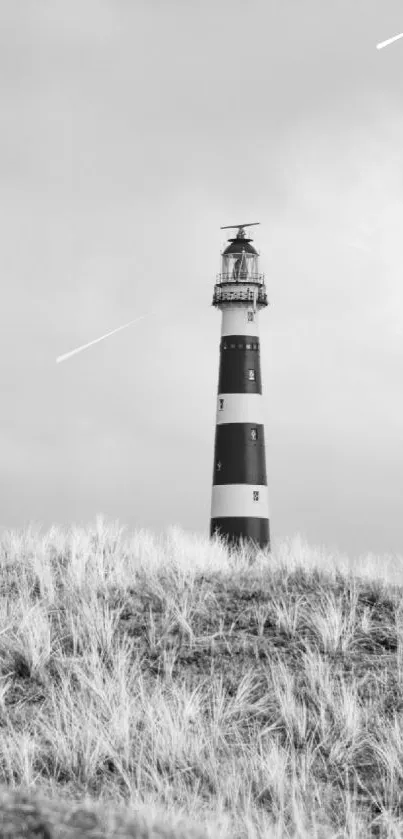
(129, 133)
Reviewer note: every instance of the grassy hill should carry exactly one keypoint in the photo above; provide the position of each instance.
(171, 688)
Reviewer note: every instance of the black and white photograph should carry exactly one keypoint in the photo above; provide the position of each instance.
(201, 429)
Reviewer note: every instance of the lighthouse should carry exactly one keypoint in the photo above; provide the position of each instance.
(240, 503)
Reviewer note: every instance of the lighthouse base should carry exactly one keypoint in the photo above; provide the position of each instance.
(236, 529)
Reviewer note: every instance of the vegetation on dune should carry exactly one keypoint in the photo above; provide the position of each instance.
(174, 688)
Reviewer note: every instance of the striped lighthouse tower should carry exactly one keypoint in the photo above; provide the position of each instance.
(240, 504)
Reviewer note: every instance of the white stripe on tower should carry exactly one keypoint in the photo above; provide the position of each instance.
(243, 500)
(239, 407)
(235, 320)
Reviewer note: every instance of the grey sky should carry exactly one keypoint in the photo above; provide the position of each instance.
(130, 131)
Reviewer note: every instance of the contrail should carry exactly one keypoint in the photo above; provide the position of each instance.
(389, 41)
(84, 347)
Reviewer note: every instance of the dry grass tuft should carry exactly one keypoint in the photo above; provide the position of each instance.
(26, 815)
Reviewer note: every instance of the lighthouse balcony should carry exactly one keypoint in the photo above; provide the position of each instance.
(241, 277)
(234, 293)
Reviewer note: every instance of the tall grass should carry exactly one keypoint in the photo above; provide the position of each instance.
(173, 687)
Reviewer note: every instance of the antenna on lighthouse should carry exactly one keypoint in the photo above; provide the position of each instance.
(239, 226)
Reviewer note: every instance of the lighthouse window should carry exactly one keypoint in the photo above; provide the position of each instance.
(251, 375)
(240, 346)
(248, 346)
(256, 495)
(254, 346)
(225, 345)
(232, 346)
(253, 434)
(250, 316)
(221, 401)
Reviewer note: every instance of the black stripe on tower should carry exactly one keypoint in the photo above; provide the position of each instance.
(239, 365)
(239, 454)
(234, 529)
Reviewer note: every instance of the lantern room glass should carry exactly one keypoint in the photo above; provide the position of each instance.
(240, 267)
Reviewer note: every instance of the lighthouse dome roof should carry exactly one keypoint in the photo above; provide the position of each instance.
(238, 245)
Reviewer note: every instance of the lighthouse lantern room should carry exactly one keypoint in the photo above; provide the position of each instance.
(239, 505)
